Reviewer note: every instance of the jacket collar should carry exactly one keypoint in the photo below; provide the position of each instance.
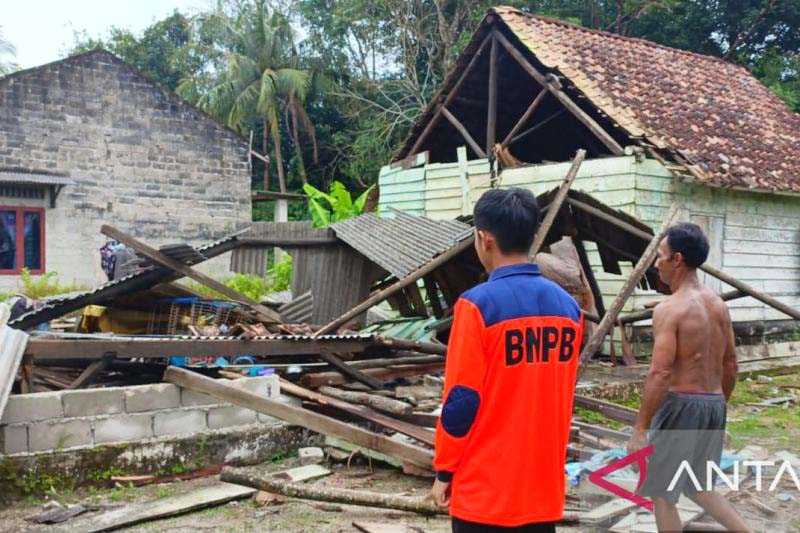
(514, 270)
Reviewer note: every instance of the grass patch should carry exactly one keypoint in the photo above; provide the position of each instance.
(595, 418)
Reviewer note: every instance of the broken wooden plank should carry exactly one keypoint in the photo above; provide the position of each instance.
(316, 380)
(555, 205)
(266, 314)
(607, 511)
(299, 416)
(380, 403)
(91, 372)
(646, 259)
(136, 513)
(348, 371)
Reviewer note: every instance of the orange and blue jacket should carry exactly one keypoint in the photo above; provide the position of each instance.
(510, 374)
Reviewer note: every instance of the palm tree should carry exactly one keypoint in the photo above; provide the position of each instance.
(261, 79)
(6, 48)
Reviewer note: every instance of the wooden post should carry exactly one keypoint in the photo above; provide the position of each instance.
(450, 96)
(555, 205)
(587, 269)
(281, 215)
(646, 314)
(561, 96)
(398, 285)
(463, 131)
(525, 117)
(491, 118)
(299, 416)
(266, 314)
(596, 340)
(733, 282)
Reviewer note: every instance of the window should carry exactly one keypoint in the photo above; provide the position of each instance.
(21, 240)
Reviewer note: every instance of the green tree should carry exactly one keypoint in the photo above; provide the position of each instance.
(261, 80)
(167, 51)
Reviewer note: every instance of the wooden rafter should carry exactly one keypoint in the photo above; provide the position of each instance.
(491, 114)
(450, 96)
(560, 95)
(463, 131)
(525, 117)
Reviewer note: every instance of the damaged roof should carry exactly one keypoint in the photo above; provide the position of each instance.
(402, 244)
(727, 128)
(714, 113)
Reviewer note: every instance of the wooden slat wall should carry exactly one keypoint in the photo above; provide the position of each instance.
(756, 235)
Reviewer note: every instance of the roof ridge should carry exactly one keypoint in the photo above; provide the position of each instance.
(499, 10)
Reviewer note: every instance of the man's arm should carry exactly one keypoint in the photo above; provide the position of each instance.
(465, 370)
(730, 368)
(656, 384)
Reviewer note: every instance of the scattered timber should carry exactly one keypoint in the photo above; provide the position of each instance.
(329, 494)
(299, 416)
(620, 413)
(316, 380)
(362, 398)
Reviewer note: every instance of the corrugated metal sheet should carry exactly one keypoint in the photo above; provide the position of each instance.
(12, 346)
(413, 329)
(26, 178)
(298, 311)
(59, 306)
(402, 244)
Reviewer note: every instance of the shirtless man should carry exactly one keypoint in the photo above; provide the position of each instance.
(691, 377)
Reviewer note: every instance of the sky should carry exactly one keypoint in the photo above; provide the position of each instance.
(42, 30)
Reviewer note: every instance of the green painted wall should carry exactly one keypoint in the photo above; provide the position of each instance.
(754, 236)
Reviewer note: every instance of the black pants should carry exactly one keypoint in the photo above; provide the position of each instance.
(462, 526)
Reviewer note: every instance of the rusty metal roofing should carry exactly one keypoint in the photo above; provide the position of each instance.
(33, 178)
(715, 114)
(146, 278)
(401, 244)
(298, 311)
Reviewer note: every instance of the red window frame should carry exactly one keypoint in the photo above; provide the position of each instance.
(20, 239)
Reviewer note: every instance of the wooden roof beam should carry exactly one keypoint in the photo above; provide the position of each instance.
(560, 95)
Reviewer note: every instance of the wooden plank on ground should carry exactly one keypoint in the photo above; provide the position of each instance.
(348, 371)
(304, 473)
(607, 511)
(620, 413)
(299, 416)
(319, 379)
(153, 510)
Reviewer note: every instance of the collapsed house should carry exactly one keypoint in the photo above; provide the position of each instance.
(89, 140)
(660, 126)
(142, 366)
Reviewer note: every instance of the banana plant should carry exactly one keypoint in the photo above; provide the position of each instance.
(333, 206)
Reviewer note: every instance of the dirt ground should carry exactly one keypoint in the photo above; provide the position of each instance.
(773, 428)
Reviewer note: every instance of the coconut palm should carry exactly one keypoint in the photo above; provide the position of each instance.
(261, 79)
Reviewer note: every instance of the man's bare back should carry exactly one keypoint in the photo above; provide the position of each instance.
(701, 324)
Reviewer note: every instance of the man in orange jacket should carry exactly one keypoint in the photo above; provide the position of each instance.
(512, 358)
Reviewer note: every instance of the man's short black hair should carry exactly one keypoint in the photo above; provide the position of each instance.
(511, 215)
(689, 240)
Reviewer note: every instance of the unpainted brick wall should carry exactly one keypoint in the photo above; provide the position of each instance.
(143, 160)
(48, 421)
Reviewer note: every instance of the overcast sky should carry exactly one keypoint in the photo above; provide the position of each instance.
(42, 30)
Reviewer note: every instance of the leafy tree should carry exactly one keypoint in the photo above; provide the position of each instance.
(261, 81)
(338, 205)
(166, 51)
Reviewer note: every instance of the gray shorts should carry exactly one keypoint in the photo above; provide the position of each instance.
(688, 427)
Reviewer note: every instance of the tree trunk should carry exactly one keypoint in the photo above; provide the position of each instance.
(276, 138)
(301, 167)
(330, 494)
(265, 150)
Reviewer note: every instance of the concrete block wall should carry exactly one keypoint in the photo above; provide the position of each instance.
(141, 158)
(52, 421)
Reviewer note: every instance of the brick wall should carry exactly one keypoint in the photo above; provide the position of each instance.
(50, 421)
(142, 159)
